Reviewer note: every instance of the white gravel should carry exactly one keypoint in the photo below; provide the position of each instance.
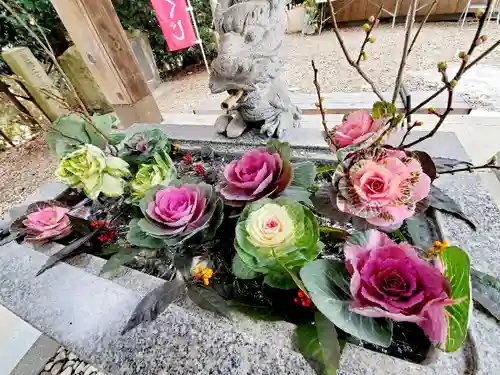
(437, 42)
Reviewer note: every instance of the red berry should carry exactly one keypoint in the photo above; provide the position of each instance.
(188, 158)
(296, 300)
(199, 169)
(300, 293)
(304, 303)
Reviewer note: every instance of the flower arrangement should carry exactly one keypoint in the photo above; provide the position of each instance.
(331, 249)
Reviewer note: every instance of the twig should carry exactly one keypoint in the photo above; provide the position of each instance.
(449, 85)
(367, 36)
(48, 50)
(470, 169)
(410, 20)
(348, 57)
(442, 117)
(410, 128)
(482, 55)
(433, 5)
(320, 100)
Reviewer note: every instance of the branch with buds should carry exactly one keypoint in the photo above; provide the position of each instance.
(319, 103)
(490, 164)
(449, 85)
(351, 62)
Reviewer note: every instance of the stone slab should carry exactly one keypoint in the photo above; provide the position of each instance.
(86, 312)
(345, 102)
(36, 357)
(84, 83)
(25, 65)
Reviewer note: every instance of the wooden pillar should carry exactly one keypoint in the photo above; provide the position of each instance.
(94, 27)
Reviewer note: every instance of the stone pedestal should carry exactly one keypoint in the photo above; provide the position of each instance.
(82, 79)
(144, 54)
(24, 64)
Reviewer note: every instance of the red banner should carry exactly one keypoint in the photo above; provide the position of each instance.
(175, 22)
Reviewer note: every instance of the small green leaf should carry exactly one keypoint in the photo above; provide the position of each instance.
(383, 110)
(241, 270)
(334, 235)
(280, 280)
(121, 258)
(304, 174)
(154, 303)
(329, 343)
(361, 238)
(325, 169)
(441, 201)
(283, 148)
(327, 282)
(298, 194)
(116, 138)
(319, 349)
(139, 238)
(486, 292)
(208, 299)
(457, 269)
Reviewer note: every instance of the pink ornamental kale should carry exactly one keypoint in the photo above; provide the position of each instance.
(357, 128)
(381, 185)
(389, 280)
(175, 214)
(44, 222)
(259, 173)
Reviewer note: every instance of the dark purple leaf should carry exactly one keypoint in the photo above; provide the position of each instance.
(12, 237)
(154, 303)
(426, 162)
(444, 164)
(80, 225)
(208, 299)
(68, 251)
(442, 202)
(325, 203)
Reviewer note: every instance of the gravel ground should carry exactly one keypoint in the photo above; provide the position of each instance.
(437, 41)
(25, 168)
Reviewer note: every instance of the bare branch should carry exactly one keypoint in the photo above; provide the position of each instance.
(49, 51)
(320, 102)
(463, 67)
(410, 20)
(470, 169)
(442, 117)
(431, 9)
(367, 37)
(482, 56)
(348, 57)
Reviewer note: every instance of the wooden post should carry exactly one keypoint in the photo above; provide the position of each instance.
(94, 27)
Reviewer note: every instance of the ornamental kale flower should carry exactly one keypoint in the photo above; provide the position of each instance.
(161, 172)
(273, 236)
(381, 185)
(357, 128)
(89, 168)
(259, 173)
(43, 222)
(389, 280)
(178, 213)
(142, 146)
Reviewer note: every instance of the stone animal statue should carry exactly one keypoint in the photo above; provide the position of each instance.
(248, 65)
